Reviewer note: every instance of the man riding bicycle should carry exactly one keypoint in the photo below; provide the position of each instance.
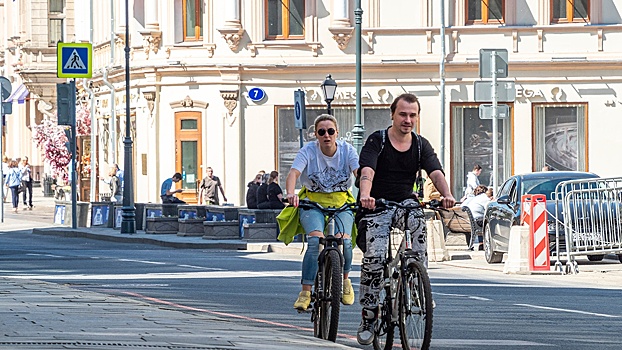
(325, 168)
(389, 163)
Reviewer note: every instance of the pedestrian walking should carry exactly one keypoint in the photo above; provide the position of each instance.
(472, 181)
(27, 183)
(116, 194)
(13, 181)
(210, 185)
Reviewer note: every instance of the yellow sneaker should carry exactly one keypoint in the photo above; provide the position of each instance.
(303, 301)
(348, 293)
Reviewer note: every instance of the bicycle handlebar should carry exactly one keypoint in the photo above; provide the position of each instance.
(434, 204)
(308, 204)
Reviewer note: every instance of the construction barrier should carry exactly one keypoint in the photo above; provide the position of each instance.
(534, 214)
(588, 220)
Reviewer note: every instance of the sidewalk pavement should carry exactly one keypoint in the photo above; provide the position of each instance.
(41, 315)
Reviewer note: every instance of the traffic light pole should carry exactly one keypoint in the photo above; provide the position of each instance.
(1, 152)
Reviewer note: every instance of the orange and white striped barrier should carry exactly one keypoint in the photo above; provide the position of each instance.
(534, 214)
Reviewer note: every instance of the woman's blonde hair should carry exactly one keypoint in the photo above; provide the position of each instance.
(323, 117)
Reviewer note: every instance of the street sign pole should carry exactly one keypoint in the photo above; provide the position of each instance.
(1, 153)
(74, 187)
(495, 160)
(5, 92)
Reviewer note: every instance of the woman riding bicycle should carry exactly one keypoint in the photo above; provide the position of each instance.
(325, 168)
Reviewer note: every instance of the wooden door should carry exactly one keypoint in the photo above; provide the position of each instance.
(188, 153)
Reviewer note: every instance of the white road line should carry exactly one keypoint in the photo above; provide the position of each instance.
(171, 275)
(202, 267)
(568, 310)
(47, 255)
(462, 296)
(143, 261)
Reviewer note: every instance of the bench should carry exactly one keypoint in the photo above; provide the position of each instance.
(190, 220)
(221, 222)
(460, 220)
(258, 224)
(161, 218)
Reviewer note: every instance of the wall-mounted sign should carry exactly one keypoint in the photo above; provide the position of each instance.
(256, 94)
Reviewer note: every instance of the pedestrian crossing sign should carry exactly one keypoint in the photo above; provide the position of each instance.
(74, 60)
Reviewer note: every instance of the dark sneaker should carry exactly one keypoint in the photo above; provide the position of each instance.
(365, 333)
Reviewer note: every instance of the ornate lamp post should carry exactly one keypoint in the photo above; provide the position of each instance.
(128, 225)
(329, 86)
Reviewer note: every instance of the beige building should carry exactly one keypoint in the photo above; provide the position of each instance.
(199, 66)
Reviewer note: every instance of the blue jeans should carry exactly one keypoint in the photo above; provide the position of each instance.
(313, 220)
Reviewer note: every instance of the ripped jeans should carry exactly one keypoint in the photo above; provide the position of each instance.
(377, 227)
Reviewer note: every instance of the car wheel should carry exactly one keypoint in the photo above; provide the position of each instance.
(598, 257)
(492, 257)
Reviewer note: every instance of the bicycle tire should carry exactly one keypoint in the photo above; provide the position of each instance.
(331, 302)
(415, 308)
(385, 328)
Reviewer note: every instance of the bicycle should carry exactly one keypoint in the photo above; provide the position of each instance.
(406, 299)
(327, 289)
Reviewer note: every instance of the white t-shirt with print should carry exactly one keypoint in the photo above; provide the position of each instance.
(320, 173)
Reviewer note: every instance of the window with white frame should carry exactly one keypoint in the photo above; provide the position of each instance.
(288, 137)
(560, 135)
(285, 19)
(485, 11)
(56, 21)
(472, 144)
(564, 11)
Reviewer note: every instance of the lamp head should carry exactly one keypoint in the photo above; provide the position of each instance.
(329, 86)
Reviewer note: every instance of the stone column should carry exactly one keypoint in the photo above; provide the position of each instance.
(152, 36)
(341, 27)
(151, 15)
(232, 30)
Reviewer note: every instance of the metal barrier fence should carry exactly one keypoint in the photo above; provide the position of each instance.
(588, 215)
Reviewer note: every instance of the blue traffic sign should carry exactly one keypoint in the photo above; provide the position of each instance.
(300, 112)
(256, 94)
(74, 60)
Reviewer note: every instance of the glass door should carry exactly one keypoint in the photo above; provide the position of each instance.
(188, 153)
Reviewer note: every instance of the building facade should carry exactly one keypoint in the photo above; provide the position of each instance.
(199, 70)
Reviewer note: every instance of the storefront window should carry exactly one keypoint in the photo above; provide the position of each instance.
(560, 137)
(374, 117)
(471, 144)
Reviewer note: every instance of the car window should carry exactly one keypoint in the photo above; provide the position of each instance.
(513, 193)
(505, 188)
(544, 186)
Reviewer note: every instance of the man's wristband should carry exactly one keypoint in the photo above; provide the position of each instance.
(365, 177)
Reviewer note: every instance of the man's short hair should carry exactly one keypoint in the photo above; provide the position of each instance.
(408, 97)
(177, 176)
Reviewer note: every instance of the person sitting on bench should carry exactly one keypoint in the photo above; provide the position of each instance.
(167, 193)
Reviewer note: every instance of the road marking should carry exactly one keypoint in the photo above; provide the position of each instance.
(568, 310)
(46, 255)
(164, 275)
(202, 267)
(143, 261)
(462, 296)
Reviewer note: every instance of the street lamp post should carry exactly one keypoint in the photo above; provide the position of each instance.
(128, 224)
(329, 86)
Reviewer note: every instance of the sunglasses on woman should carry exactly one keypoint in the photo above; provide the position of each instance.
(323, 132)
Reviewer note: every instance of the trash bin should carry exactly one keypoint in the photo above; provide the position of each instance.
(48, 181)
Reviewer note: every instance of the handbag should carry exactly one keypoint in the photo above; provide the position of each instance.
(21, 187)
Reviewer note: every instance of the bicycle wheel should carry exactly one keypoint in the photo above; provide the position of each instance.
(415, 308)
(331, 300)
(385, 328)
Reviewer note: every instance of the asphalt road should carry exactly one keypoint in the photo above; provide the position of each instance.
(475, 308)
